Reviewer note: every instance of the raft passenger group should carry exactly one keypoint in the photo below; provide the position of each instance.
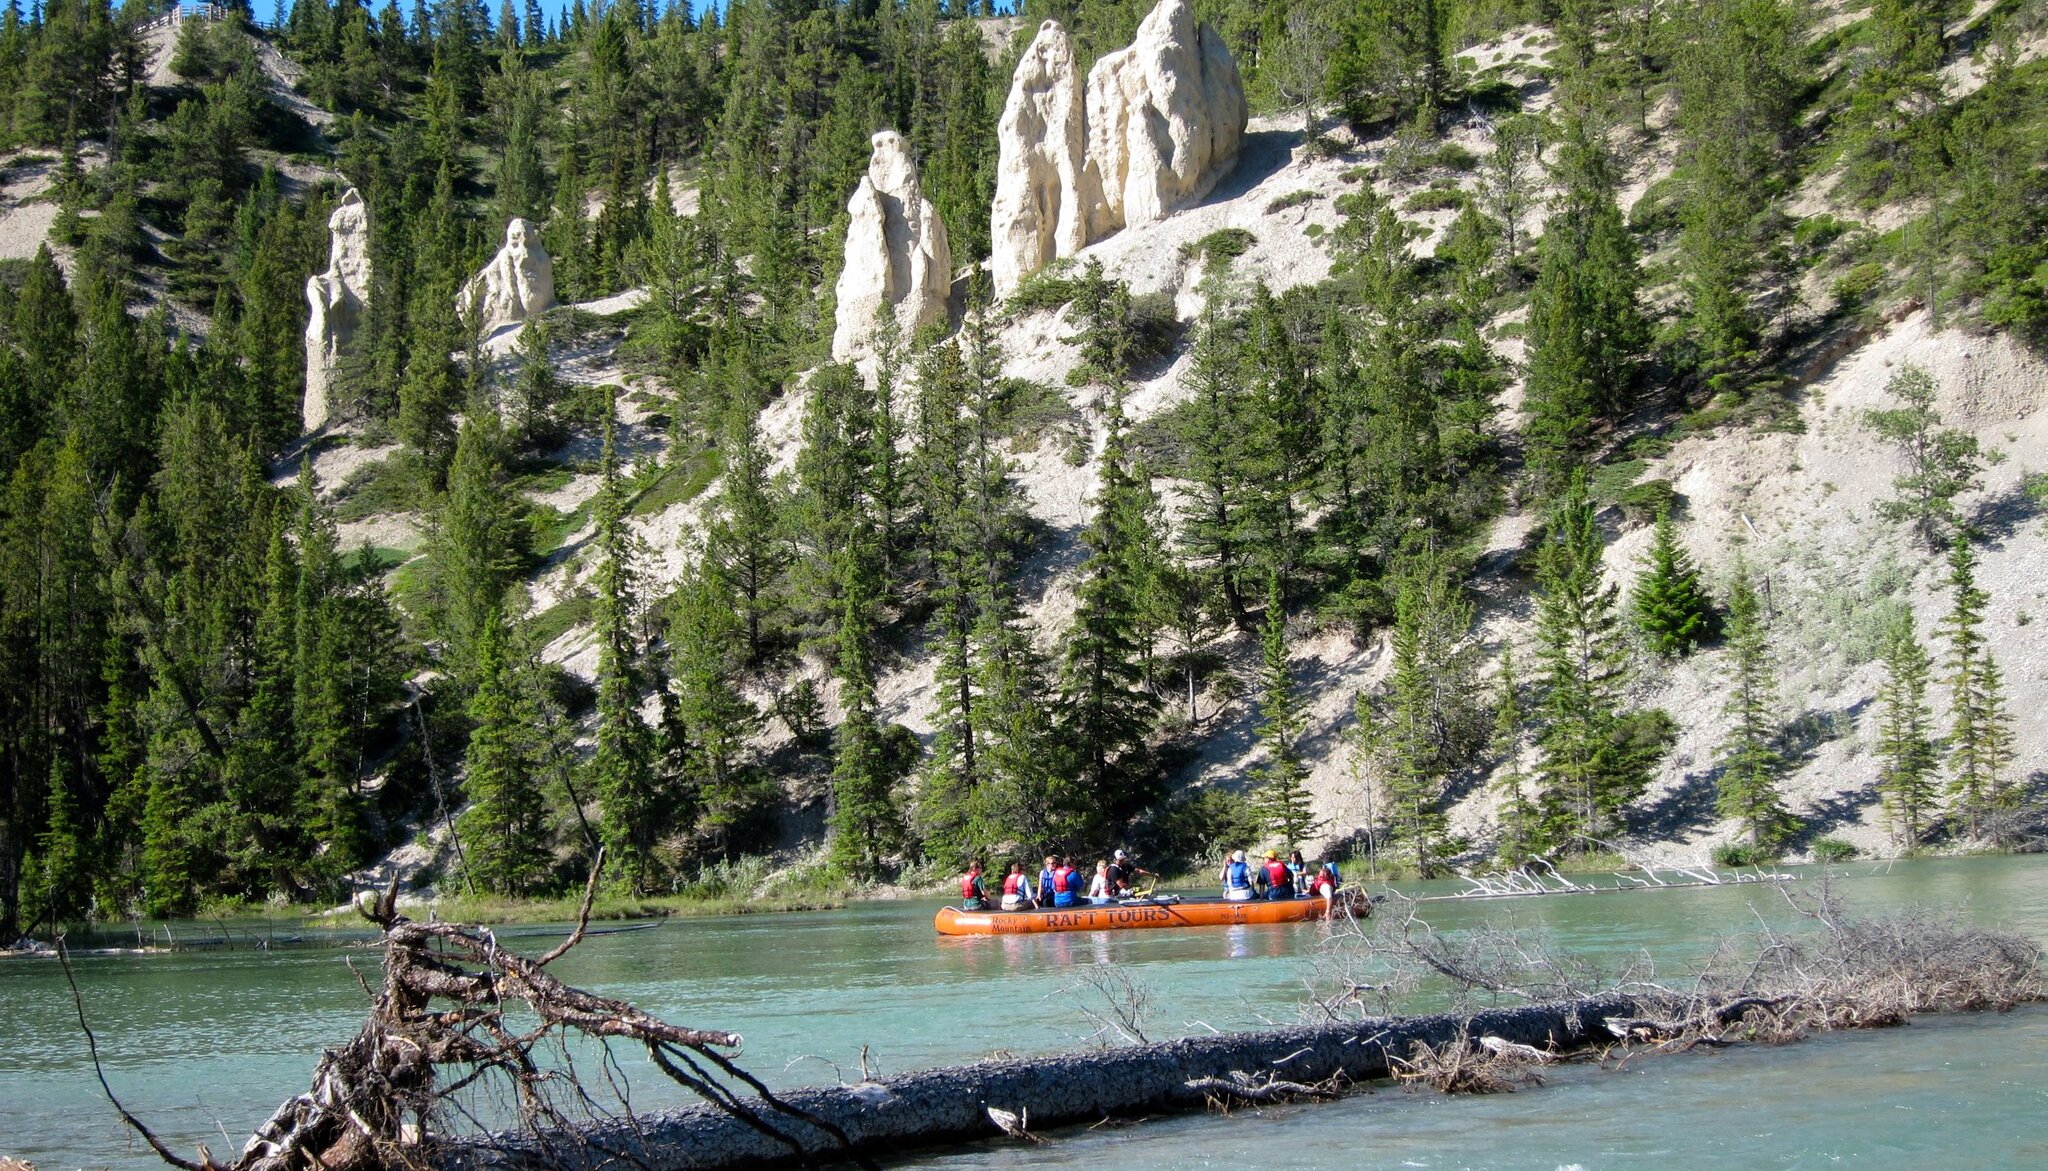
(1061, 884)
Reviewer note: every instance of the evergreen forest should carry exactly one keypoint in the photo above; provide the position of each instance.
(664, 580)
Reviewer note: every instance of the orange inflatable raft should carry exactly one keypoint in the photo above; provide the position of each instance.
(1143, 913)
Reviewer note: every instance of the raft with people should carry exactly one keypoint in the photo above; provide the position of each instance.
(1277, 892)
(1158, 911)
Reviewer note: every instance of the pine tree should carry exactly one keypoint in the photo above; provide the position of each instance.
(708, 649)
(1415, 767)
(1672, 610)
(1750, 761)
(744, 540)
(1510, 728)
(1281, 800)
(1980, 734)
(1942, 463)
(1905, 744)
(624, 765)
(1585, 327)
(503, 831)
(478, 544)
(1106, 712)
(1595, 757)
(866, 821)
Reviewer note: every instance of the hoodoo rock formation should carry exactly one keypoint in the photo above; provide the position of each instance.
(338, 297)
(1041, 206)
(518, 283)
(1165, 118)
(1158, 123)
(896, 252)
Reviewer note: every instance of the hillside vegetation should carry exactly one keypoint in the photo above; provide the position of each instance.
(1570, 428)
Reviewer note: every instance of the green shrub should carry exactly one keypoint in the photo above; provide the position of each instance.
(1292, 199)
(1834, 850)
(1456, 156)
(1812, 235)
(1217, 249)
(1856, 285)
(1435, 199)
(1050, 287)
(1739, 855)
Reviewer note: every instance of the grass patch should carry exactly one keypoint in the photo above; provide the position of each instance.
(1217, 249)
(552, 527)
(379, 489)
(560, 618)
(371, 560)
(678, 482)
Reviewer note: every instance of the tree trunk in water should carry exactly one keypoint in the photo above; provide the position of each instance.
(951, 1105)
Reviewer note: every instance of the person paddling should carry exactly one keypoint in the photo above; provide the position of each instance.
(973, 896)
(1326, 882)
(1123, 872)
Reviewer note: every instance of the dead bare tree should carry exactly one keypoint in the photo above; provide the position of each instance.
(460, 1021)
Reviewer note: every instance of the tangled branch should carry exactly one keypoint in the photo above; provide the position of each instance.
(459, 1018)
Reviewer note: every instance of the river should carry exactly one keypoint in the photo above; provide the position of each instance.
(203, 1043)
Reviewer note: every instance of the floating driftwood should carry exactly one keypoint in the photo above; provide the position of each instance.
(937, 1106)
(1538, 877)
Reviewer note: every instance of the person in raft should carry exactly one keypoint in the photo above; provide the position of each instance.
(1101, 890)
(1045, 881)
(1325, 882)
(1066, 884)
(1237, 878)
(973, 896)
(1273, 877)
(1122, 874)
(1297, 873)
(1017, 892)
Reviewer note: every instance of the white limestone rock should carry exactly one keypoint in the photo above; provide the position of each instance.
(518, 283)
(338, 297)
(1165, 119)
(1042, 199)
(896, 251)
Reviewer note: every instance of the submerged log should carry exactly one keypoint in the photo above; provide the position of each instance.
(949, 1105)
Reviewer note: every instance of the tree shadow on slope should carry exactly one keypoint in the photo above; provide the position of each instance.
(1998, 518)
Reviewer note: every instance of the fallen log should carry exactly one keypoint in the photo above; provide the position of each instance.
(952, 1105)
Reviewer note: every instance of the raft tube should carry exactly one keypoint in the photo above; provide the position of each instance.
(1142, 913)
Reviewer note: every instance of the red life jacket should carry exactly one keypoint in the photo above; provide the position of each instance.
(1276, 873)
(1063, 880)
(1013, 884)
(970, 886)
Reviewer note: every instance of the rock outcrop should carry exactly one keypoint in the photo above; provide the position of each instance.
(518, 283)
(896, 252)
(338, 297)
(1165, 118)
(1041, 204)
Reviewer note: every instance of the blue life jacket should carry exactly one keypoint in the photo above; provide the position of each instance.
(1045, 885)
(1237, 876)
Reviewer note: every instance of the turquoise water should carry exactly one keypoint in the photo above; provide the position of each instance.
(201, 1043)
